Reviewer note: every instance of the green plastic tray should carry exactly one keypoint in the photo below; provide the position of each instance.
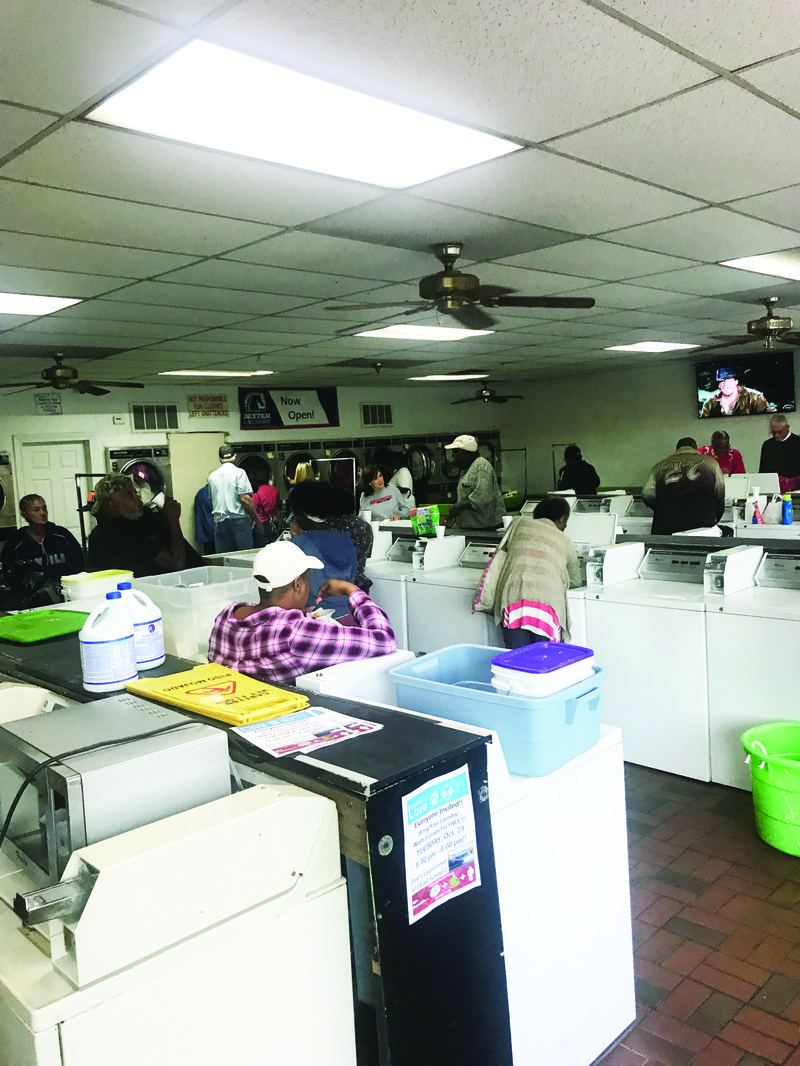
(33, 626)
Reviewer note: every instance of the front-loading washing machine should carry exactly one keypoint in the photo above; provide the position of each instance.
(753, 666)
(257, 459)
(289, 455)
(147, 465)
(341, 465)
(649, 634)
(8, 500)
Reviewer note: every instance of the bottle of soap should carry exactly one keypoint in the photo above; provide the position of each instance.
(786, 511)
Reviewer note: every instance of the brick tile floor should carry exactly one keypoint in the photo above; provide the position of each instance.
(716, 922)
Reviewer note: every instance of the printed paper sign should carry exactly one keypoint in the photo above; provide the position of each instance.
(304, 731)
(261, 408)
(207, 405)
(440, 843)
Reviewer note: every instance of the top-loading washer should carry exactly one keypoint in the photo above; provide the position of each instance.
(8, 502)
(148, 466)
(752, 640)
(650, 636)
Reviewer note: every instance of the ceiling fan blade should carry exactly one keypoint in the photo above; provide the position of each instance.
(790, 337)
(368, 307)
(25, 384)
(469, 399)
(89, 387)
(489, 292)
(111, 384)
(577, 302)
(728, 342)
(471, 316)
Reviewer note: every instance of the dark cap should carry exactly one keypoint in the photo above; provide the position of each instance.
(725, 372)
(226, 452)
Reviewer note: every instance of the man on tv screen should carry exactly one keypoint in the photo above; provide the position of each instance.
(733, 398)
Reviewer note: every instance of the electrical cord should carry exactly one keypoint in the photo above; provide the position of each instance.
(77, 751)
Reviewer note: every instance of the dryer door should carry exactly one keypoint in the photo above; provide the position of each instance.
(8, 511)
(257, 467)
(344, 469)
(292, 462)
(422, 464)
(147, 476)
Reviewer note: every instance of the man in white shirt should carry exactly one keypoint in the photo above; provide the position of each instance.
(231, 504)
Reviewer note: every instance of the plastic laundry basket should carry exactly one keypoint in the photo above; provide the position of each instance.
(773, 752)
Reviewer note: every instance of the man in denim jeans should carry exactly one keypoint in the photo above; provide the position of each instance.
(231, 504)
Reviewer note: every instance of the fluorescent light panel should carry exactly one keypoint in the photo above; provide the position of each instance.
(20, 303)
(217, 98)
(423, 333)
(214, 373)
(651, 346)
(776, 264)
(449, 377)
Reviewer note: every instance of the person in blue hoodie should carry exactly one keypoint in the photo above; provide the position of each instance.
(311, 505)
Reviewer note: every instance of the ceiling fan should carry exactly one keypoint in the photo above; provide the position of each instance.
(486, 395)
(769, 329)
(66, 377)
(452, 292)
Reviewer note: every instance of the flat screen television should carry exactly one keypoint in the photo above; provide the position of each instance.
(746, 385)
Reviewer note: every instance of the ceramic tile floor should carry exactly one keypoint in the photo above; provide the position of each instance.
(716, 924)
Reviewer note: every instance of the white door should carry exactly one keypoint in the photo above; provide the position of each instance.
(48, 468)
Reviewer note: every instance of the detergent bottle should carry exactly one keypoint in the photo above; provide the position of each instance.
(147, 626)
(108, 648)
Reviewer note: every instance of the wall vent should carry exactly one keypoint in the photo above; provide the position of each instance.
(376, 414)
(155, 415)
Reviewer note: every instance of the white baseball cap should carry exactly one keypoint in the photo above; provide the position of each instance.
(280, 563)
(465, 442)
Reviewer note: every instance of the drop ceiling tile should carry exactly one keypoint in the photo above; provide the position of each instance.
(50, 253)
(675, 144)
(55, 282)
(618, 294)
(597, 259)
(126, 334)
(199, 344)
(202, 297)
(781, 206)
(338, 255)
(17, 125)
(551, 190)
(190, 318)
(307, 328)
(226, 274)
(530, 282)
(711, 234)
(712, 33)
(47, 62)
(404, 221)
(702, 280)
(780, 77)
(86, 157)
(504, 70)
(77, 216)
(263, 339)
(178, 12)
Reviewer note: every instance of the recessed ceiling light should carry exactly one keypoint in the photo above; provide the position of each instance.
(20, 303)
(776, 264)
(217, 98)
(651, 346)
(449, 377)
(424, 333)
(214, 373)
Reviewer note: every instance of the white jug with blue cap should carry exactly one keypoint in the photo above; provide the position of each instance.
(108, 647)
(148, 627)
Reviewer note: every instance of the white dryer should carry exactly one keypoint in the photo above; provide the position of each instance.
(752, 639)
(650, 636)
(148, 466)
(8, 501)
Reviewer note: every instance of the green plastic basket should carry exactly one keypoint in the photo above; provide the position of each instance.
(773, 751)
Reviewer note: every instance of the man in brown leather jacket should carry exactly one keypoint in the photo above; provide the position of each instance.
(685, 491)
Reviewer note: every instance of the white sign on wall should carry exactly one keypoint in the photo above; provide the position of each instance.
(47, 403)
(207, 405)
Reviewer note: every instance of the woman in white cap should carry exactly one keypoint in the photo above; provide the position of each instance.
(277, 639)
(479, 501)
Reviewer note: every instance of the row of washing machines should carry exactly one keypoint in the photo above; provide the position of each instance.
(698, 644)
(338, 461)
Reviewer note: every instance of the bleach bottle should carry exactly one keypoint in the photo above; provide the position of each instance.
(147, 626)
(108, 648)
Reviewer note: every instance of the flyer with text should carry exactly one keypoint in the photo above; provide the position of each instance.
(440, 844)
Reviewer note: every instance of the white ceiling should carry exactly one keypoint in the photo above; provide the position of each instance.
(655, 145)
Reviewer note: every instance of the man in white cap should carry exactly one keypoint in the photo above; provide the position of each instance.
(232, 505)
(277, 639)
(479, 501)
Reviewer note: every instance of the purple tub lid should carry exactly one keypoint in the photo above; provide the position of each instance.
(542, 657)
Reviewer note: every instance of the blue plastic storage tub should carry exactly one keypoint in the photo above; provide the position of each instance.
(538, 734)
